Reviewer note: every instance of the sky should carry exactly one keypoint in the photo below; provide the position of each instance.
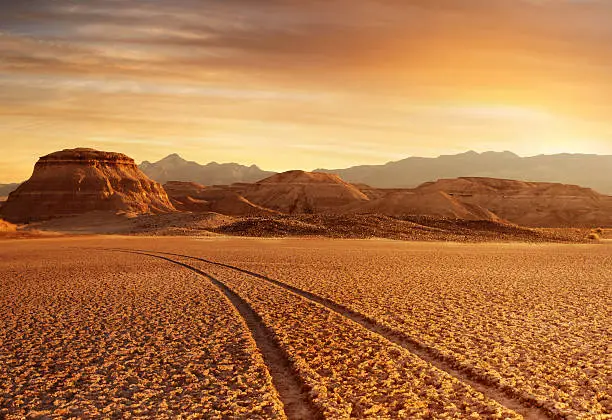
(303, 84)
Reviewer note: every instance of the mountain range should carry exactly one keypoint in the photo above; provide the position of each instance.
(586, 170)
(6, 189)
(175, 168)
(577, 169)
(590, 171)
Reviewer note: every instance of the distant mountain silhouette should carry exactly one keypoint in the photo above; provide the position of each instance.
(6, 189)
(591, 171)
(175, 168)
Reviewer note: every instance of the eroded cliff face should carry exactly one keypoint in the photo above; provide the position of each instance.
(533, 204)
(77, 181)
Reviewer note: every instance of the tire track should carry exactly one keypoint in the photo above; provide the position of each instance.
(297, 405)
(528, 407)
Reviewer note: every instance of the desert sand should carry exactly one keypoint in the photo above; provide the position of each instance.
(338, 226)
(303, 328)
(122, 298)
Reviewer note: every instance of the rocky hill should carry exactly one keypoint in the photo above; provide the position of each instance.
(73, 182)
(533, 204)
(427, 203)
(538, 204)
(293, 192)
(82, 180)
(175, 168)
(299, 192)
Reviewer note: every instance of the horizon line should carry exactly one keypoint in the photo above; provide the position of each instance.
(468, 152)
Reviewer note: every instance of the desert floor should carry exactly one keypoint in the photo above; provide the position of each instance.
(136, 327)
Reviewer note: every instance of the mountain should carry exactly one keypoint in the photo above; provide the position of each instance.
(77, 181)
(175, 168)
(72, 182)
(6, 189)
(576, 169)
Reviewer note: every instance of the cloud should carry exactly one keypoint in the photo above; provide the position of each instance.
(347, 72)
(276, 36)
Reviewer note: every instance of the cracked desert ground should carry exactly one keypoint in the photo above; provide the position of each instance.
(132, 327)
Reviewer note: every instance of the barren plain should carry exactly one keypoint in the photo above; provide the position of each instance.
(138, 327)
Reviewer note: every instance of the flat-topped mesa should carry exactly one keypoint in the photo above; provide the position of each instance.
(77, 181)
(85, 156)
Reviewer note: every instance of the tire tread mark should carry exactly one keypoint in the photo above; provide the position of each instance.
(525, 405)
(292, 391)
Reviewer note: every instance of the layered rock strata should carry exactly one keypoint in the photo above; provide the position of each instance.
(77, 181)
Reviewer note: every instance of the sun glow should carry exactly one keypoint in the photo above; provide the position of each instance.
(304, 87)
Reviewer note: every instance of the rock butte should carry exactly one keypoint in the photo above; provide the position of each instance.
(77, 181)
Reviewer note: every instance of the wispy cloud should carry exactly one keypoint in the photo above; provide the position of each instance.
(341, 72)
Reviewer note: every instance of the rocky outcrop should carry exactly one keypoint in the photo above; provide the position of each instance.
(6, 227)
(299, 192)
(193, 197)
(77, 181)
(184, 196)
(435, 203)
(535, 204)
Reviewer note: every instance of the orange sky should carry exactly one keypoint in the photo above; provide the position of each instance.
(303, 84)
